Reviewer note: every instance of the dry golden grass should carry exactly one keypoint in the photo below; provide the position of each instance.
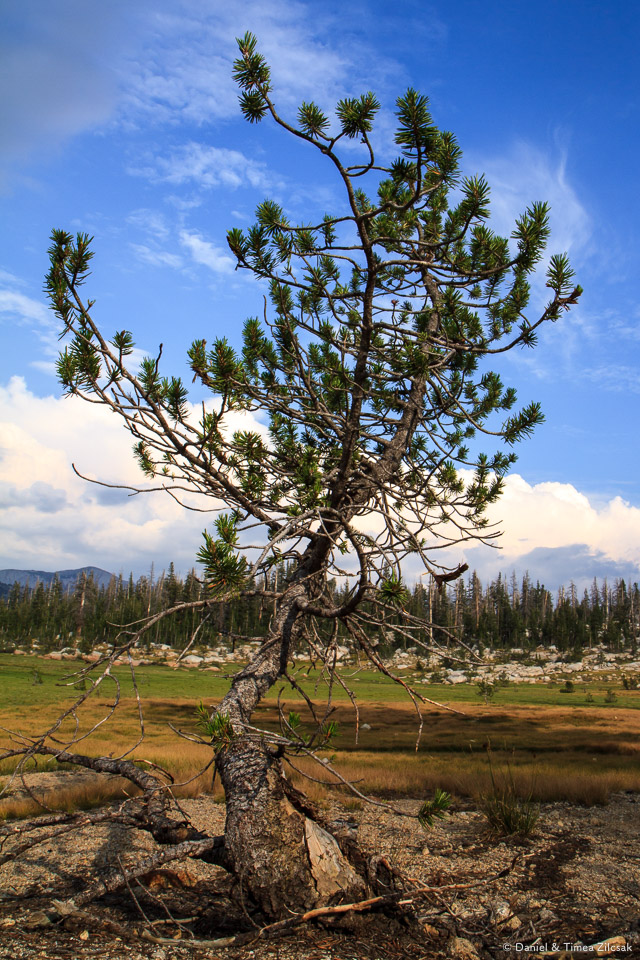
(553, 753)
(81, 796)
(409, 776)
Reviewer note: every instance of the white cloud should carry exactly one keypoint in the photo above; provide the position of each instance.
(156, 258)
(185, 74)
(45, 366)
(620, 378)
(524, 174)
(206, 253)
(51, 519)
(23, 308)
(554, 528)
(16, 307)
(206, 166)
(150, 222)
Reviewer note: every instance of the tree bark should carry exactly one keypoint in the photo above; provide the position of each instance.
(282, 857)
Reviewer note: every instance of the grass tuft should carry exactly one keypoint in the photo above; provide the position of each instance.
(508, 813)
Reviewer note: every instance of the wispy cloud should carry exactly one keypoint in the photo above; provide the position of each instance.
(205, 253)
(617, 377)
(525, 173)
(205, 166)
(47, 367)
(17, 307)
(185, 75)
(23, 308)
(150, 222)
(156, 258)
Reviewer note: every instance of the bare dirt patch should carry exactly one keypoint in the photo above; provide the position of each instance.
(577, 881)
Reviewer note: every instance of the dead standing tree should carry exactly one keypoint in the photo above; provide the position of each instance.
(370, 367)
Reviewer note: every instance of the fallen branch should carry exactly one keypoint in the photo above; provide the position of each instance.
(210, 848)
(281, 927)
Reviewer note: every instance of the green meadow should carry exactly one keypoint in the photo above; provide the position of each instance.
(577, 746)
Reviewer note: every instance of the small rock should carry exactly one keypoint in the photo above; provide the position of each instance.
(37, 919)
(547, 915)
(501, 911)
(461, 949)
(608, 948)
(84, 935)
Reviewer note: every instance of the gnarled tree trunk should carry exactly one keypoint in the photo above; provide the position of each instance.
(283, 858)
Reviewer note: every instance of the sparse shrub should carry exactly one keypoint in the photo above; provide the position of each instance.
(630, 683)
(434, 809)
(37, 677)
(436, 677)
(568, 687)
(589, 698)
(610, 697)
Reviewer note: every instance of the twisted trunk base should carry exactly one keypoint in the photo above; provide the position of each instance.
(284, 860)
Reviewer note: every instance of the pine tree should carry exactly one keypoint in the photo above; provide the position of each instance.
(371, 366)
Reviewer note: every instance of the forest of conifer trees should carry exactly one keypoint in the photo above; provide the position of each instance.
(507, 613)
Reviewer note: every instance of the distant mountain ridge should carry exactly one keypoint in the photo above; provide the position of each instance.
(68, 578)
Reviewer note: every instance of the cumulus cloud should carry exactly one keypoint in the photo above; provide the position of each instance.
(559, 534)
(41, 496)
(555, 566)
(52, 519)
(555, 514)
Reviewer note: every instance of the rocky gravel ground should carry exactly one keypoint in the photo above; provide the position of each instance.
(574, 884)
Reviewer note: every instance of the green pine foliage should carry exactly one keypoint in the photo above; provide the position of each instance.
(371, 369)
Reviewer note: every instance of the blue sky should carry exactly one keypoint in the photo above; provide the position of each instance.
(121, 120)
